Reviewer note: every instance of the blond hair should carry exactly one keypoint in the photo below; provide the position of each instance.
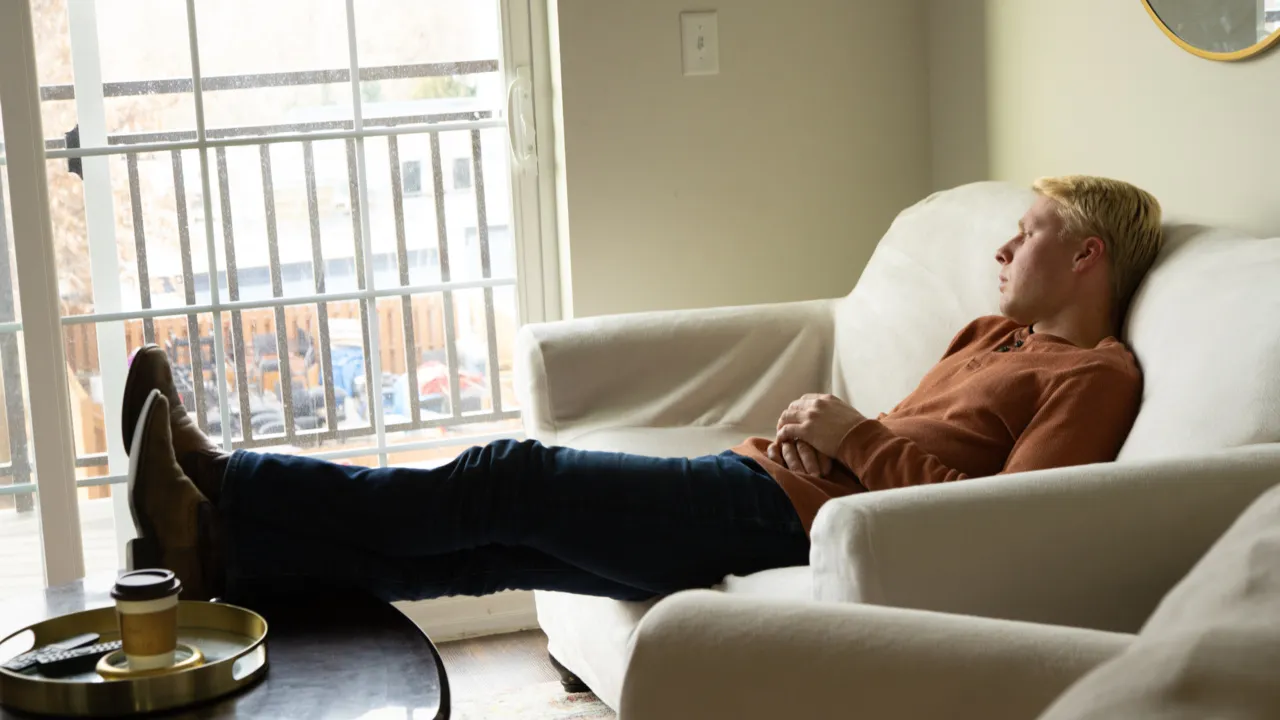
(1125, 217)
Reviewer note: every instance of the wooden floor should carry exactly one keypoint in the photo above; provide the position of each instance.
(483, 667)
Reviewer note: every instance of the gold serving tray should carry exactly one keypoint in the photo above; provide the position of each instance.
(232, 639)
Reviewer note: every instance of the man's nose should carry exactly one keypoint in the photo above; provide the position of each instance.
(1004, 255)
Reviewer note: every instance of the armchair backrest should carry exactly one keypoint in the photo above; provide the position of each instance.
(933, 271)
(1205, 326)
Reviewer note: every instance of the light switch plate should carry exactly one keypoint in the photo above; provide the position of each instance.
(700, 42)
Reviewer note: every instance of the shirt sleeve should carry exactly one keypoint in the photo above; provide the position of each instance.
(883, 460)
(1084, 419)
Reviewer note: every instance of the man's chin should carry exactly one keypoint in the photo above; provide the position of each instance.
(1014, 313)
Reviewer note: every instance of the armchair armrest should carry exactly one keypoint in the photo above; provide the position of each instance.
(703, 654)
(1091, 546)
(739, 365)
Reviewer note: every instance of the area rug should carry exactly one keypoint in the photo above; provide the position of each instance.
(545, 701)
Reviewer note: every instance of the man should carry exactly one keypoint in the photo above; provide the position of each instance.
(1045, 385)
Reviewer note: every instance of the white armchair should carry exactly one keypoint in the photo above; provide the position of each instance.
(1093, 546)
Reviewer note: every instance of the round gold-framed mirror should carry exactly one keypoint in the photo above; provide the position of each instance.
(1218, 29)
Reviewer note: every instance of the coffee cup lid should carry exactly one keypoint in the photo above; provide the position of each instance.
(141, 585)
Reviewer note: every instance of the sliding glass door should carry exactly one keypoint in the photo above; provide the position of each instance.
(312, 206)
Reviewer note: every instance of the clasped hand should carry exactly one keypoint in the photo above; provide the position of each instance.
(810, 431)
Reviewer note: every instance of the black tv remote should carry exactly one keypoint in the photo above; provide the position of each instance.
(62, 663)
(32, 657)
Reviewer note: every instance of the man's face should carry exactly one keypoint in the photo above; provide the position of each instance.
(1036, 266)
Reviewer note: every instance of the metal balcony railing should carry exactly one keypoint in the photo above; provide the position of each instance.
(132, 146)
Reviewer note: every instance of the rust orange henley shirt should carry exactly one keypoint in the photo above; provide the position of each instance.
(1002, 399)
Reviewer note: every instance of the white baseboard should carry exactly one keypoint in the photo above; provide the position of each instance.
(454, 618)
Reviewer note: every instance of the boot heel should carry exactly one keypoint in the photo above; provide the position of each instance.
(143, 553)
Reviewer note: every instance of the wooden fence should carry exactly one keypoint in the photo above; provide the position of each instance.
(428, 329)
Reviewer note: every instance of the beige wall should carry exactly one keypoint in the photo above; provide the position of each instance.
(1093, 86)
(769, 182)
(957, 33)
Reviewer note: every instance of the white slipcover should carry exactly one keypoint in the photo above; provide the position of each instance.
(1037, 546)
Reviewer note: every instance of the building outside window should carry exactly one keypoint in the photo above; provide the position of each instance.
(461, 174)
(411, 174)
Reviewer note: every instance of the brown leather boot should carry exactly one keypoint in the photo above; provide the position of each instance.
(173, 519)
(199, 457)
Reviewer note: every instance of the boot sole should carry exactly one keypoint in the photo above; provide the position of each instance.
(141, 524)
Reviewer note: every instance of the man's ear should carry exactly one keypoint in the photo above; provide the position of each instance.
(1091, 252)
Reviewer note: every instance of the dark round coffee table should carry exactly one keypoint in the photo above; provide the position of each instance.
(332, 654)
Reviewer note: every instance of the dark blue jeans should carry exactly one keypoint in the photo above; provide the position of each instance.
(509, 515)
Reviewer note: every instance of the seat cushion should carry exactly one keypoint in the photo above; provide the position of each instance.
(790, 583)
(1203, 327)
(1212, 647)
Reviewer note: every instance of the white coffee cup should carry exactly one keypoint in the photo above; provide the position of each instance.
(147, 612)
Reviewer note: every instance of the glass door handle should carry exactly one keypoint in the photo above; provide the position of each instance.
(520, 123)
